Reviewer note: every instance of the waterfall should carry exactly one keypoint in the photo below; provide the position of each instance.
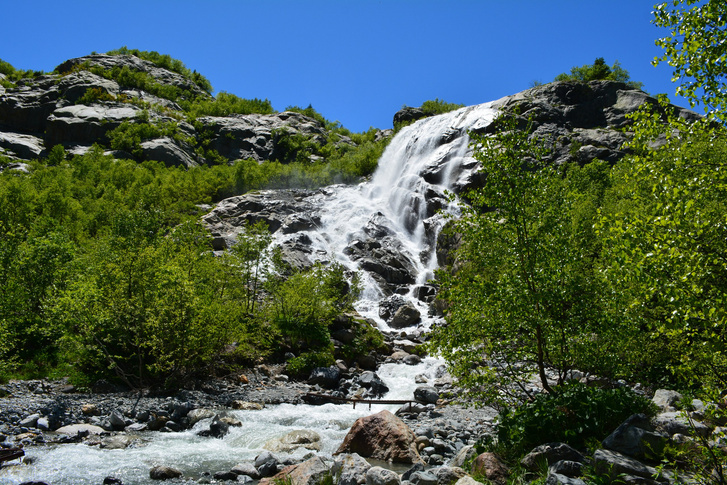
(402, 207)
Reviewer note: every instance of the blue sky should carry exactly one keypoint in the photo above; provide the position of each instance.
(357, 62)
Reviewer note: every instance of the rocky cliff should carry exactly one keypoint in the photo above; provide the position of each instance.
(86, 98)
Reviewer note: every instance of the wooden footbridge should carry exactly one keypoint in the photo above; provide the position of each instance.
(354, 401)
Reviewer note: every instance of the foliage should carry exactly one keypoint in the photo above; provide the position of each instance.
(129, 135)
(695, 50)
(665, 244)
(597, 71)
(437, 106)
(225, 104)
(525, 296)
(167, 62)
(576, 415)
(14, 75)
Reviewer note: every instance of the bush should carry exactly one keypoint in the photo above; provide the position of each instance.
(599, 70)
(437, 106)
(576, 414)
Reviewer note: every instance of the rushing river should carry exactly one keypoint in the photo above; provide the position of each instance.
(80, 464)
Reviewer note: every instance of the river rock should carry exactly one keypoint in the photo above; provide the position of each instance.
(426, 395)
(247, 469)
(217, 428)
(405, 316)
(247, 406)
(75, 429)
(164, 473)
(377, 475)
(467, 480)
(196, 415)
(371, 381)
(327, 377)
(447, 475)
(294, 440)
(350, 469)
(310, 472)
(267, 464)
(381, 436)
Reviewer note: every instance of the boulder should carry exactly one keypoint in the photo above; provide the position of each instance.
(447, 475)
(381, 436)
(635, 438)
(75, 429)
(377, 475)
(558, 479)
(550, 453)
(666, 399)
(310, 472)
(426, 395)
(294, 440)
(405, 316)
(489, 465)
(247, 469)
(614, 464)
(164, 473)
(467, 480)
(408, 115)
(371, 381)
(266, 464)
(327, 377)
(217, 428)
(350, 469)
(169, 152)
(23, 146)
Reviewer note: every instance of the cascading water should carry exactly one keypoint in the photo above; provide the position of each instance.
(400, 205)
(403, 204)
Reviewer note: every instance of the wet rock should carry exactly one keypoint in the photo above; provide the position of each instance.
(117, 442)
(196, 415)
(266, 464)
(164, 473)
(225, 476)
(294, 440)
(405, 316)
(381, 436)
(247, 469)
(112, 481)
(217, 428)
(247, 406)
(371, 381)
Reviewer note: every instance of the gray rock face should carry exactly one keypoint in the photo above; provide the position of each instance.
(22, 146)
(266, 464)
(426, 394)
(167, 151)
(86, 125)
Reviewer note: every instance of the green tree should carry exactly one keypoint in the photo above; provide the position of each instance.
(665, 242)
(524, 297)
(599, 70)
(695, 49)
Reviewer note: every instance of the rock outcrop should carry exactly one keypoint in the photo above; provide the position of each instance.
(55, 109)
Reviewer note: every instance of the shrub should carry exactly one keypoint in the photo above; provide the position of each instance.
(437, 106)
(576, 414)
(597, 71)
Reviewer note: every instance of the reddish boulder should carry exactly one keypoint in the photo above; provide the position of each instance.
(382, 436)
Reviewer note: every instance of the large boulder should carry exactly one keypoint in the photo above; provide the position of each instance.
(381, 436)
(636, 438)
(302, 438)
(490, 465)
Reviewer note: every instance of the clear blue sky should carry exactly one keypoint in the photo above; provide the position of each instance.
(357, 62)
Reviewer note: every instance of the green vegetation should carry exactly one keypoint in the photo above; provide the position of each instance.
(167, 62)
(526, 295)
(225, 104)
(105, 273)
(578, 415)
(694, 48)
(615, 270)
(436, 106)
(599, 70)
(13, 75)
